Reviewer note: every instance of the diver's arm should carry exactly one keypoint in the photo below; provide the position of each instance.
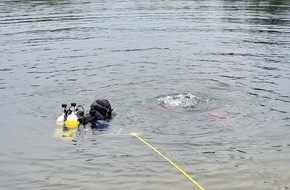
(88, 119)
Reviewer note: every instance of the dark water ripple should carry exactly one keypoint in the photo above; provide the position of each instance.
(232, 55)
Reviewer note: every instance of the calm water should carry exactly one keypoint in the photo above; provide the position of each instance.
(232, 57)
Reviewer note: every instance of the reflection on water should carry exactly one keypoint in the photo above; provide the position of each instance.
(232, 56)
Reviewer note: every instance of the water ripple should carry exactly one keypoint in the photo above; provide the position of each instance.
(206, 82)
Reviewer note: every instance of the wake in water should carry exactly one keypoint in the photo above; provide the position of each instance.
(180, 101)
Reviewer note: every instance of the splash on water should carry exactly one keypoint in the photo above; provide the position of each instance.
(179, 101)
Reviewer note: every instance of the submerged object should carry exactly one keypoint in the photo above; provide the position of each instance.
(65, 134)
(100, 124)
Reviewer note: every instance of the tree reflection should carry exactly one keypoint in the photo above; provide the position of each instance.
(274, 9)
(16, 6)
(35, 2)
(271, 6)
(265, 12)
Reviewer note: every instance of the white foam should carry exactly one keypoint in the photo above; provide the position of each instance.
(180, 100)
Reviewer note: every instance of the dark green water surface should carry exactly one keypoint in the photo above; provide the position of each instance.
(231, 56)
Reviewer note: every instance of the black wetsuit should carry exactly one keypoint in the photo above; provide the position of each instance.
(100, 114)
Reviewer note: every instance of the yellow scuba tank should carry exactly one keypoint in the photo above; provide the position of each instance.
(72, 121)
(69, 118)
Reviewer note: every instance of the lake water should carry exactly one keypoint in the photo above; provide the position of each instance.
(147, 57)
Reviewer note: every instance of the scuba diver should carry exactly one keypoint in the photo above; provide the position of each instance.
(98, 117)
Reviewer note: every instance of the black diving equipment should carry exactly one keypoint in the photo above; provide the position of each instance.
(99, 115)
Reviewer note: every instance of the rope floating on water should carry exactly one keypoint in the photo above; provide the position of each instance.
(157, 151)
(167, 159)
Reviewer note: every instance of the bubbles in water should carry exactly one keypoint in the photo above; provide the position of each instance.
(180, 101)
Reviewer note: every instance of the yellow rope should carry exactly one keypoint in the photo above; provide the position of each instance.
(171, 162)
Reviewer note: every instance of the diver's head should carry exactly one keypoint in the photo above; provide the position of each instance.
(103, 107)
